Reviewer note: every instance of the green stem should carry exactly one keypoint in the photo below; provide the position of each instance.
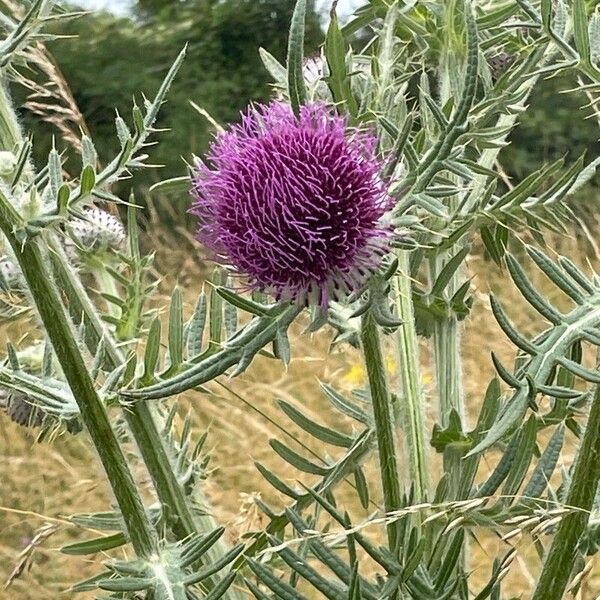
(140, 418)
(411, 405)
(586, 474)
(10, 131)
(31, 258)
(383, 418)
(58, 327)
(448, 368)
(107, 285)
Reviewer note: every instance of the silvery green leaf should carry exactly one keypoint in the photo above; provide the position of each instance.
(126, 584)
(535, 299)
(345, 406)
(540, 478)
(215, 321)
(556, 275)
(276, 482)
(500, 473)
(55, 172)
(294, 561)
(91, 583)
(511, 332)
(89, 156)
(230, 315)
(277, 71)
(152, 352)
(282, 589)
(523, 459)
(206, 572)
(580, 30)
(336, 50)
(175, 184)
(123, 132)
(295, 57)
(176, 330)
(219, 590)
(241, 348)
(448, 271)
(195, 328)
(330, 558)
(320, 432)
(93, 546)
(195, 548)
(296, 460)
(594, 37)
(362, 487)
(256, 591)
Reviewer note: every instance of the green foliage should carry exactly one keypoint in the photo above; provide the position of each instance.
(222, 73)
(443, 112)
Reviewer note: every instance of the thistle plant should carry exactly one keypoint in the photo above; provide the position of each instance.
(351, 202)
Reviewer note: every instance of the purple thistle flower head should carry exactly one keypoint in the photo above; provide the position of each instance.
(294, 202)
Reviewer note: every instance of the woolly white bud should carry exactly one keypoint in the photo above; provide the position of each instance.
(11, 274)
(8, 163)
(98, 232)
(21, 410)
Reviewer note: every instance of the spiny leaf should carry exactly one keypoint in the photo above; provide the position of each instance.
(215, 567)
(555, 274)
(523, 458)
(447, 272)
(277, 483)
(101, 544)
(335, 54)
(500, 473)
(295, 57)
(540, 478)
(152, 352)
(515, 337)
(194, 549)
(580, 30)
(195, 330)
(283, 590)
(296, 460)
(294, 561)
(531, 294)
(320, 432)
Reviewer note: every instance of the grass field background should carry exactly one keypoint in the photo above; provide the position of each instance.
(42, 483)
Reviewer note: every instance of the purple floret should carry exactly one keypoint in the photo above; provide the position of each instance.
(294, 203)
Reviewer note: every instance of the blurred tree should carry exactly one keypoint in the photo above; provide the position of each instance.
(110, 60)
(557, 125)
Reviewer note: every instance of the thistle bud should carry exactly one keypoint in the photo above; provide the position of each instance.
(500, 63)
(21, 409)
(8, 163)
(11, 274)
(98, 232)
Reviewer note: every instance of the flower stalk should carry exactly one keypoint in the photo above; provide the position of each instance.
(411, 407)
(559, 563)
(384, 423)
(140, 417)
(30, 255)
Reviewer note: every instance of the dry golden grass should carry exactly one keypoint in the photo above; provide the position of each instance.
(43, 483)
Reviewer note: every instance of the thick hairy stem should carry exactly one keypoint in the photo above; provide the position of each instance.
(10, 131)
(448, 368)
(30, 255)
(411, 406)
(384, 423)
(141, 420)
(586, 474)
